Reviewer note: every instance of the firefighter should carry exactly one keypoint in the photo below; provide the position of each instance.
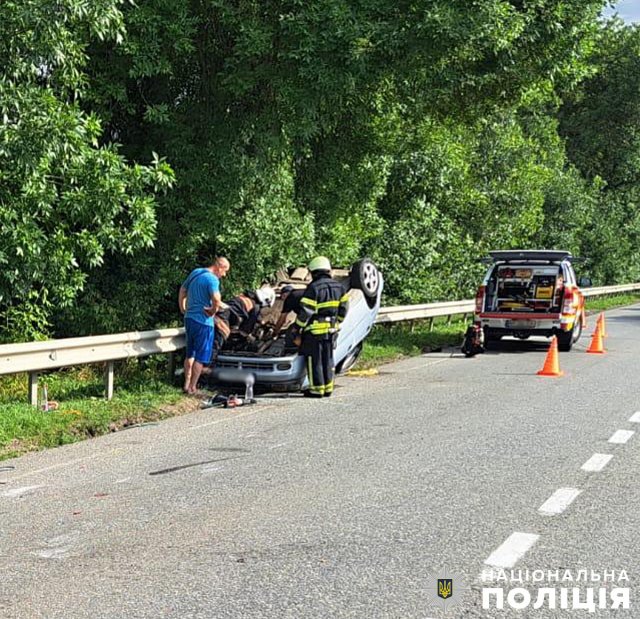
(323, 307)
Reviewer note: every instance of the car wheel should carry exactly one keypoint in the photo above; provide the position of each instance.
(349, 361)
(565, 340)
(366, 276)
(491, 340)
(577, 329)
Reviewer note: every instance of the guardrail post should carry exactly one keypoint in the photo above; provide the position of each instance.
(430, 325)
(108, 380)
(33, 388)
(171, 369)
(449, 317)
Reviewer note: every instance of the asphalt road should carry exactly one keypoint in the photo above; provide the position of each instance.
(344, 507)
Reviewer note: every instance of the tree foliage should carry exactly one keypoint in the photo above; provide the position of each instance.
(422, 133)
(601, 123)
(65, 201)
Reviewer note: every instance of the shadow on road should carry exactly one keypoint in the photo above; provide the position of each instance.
(518, 346)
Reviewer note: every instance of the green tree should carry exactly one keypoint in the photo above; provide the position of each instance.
(291, 124)
(601, 123)
(65, 200)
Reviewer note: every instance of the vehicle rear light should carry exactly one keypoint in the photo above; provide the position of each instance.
(568, 301)
(480, 299)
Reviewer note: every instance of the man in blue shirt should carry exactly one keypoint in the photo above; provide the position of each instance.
(199, 299)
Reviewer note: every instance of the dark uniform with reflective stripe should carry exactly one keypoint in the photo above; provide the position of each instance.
(323, 307)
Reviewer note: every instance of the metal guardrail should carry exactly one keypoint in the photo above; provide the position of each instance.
(35, 357)
(604, 291)
(400, 313)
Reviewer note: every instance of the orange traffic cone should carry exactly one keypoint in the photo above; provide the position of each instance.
(551, 365)
(596, 341)
(603, 330)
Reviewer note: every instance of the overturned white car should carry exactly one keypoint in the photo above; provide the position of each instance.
(274, 363)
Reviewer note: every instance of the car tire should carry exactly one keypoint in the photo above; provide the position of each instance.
(490, 340)
(366, 276)
(349, 361)
(577, 329)
(565, 340)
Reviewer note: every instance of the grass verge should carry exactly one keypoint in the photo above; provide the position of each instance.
(142, 395)
(600, 304)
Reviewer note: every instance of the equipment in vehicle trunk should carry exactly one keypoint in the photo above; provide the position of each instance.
(530, 292)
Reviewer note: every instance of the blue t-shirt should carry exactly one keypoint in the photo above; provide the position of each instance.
(200, 286)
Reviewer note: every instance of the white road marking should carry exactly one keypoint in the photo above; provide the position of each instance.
(58, 466)
(559, 501)
(16, 492)
(512, 550)
(54, 553)
(635, 418)
(212, 469)
(621, 436)
(596, 462)
(122, 481)
(258, 409)
(423, 365)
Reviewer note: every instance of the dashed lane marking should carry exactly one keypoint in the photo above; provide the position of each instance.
(621, 436)
(596, 462)
(512, 550)
(559, 501)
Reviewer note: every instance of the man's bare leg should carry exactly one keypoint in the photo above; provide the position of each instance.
(196, 370)
(188, 368)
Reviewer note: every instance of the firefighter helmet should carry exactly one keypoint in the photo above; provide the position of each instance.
(319, 263)
(266, 296)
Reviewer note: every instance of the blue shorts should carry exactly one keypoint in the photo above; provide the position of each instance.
(199, 340)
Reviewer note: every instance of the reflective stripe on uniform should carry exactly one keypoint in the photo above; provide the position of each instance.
(327, 304)
(310, 372)
(319, 328)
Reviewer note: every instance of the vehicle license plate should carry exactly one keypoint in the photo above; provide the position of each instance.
(521, 324)
(233, 375)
